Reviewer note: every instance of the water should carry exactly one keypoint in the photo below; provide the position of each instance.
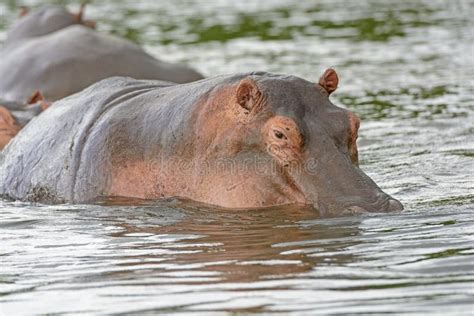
(406, 68)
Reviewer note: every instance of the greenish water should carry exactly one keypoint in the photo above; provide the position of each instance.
(406, 67)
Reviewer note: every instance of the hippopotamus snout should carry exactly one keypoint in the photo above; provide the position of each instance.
(337, 185)
(394, 205)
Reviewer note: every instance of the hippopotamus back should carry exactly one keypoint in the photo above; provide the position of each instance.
(58, 53)
(70, 149)
(40, 22)
(68, 60)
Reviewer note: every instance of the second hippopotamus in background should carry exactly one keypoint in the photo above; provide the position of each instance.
(58, 53)
(14, 115)
(237, 141)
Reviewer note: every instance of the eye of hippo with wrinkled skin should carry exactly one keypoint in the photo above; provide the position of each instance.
(283, 140)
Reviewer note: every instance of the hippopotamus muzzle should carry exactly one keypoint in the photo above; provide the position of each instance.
(334, 183)
(354, 194)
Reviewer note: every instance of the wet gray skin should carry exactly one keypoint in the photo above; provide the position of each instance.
(51, 51)
(69, 153)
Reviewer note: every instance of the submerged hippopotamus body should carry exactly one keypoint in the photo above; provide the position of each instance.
(238, 141)
(59, 53)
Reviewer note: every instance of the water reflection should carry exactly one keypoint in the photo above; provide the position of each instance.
(246, 246)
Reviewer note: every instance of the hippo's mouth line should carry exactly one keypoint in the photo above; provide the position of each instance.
(379, 205)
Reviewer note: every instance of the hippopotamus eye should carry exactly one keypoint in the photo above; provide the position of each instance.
(279, 134)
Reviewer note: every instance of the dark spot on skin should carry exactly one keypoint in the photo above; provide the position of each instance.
(287, 128)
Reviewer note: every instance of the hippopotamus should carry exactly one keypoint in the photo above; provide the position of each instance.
(237, 141)
(9, 126)
(59, 53)
(15, 115)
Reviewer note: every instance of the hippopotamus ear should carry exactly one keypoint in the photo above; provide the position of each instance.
(80, 14)
(329, 81)
(36, 97)
(79, 17)
(247, 94)
(23, 11)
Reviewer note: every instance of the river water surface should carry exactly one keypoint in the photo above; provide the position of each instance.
(406, 67)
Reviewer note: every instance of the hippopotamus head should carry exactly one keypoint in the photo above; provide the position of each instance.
(290, 124)
(43, 21)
